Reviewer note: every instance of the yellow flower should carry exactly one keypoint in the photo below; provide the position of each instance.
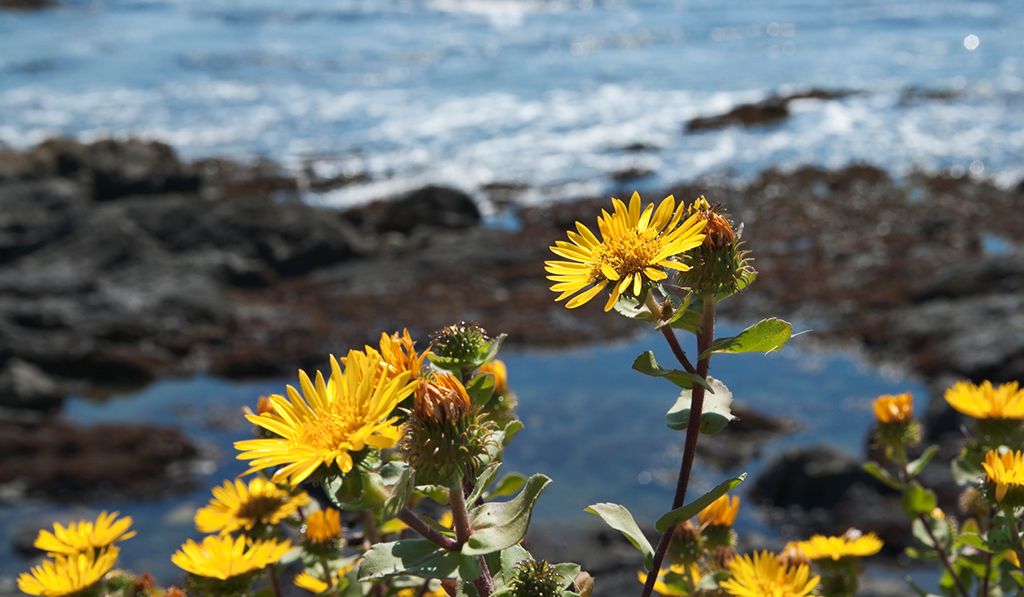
(68, 574)
(986, 402)
(239, 506)
(853, 543)
(765, 576)
(635, 249)
(223, 557)
(399, 352)
(722, 512)
(498, 369)
(894, 409)
(1004, 471)
(307, 581)
(83, 535)
(323, 526)
(410, 592)
(668, 591)
(345, 415)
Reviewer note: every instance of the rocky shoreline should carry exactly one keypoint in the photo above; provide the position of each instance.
(120, 264)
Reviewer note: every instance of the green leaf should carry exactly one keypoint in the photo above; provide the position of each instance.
(507, 485)
(498, 525)
(691, 317)
(767, 335)
(715, 414)
(481, 388)
(918, 500)
(633, 308)
(502, 564)
(504, 437)
(966, 472)
(416, 557)
(483, 480)
(621, 520)
(915, 467)
(438, 493)
(648, 365)
(690, 510)
(876, 471)
(400, 489)
(568, 571)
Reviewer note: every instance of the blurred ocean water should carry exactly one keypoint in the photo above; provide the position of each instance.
(542, 93)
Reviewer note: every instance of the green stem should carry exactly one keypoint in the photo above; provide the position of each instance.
(460, 517)
(274, 581)
(704, 338)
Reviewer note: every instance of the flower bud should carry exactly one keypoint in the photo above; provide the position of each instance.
(717, 267)
(536, 579)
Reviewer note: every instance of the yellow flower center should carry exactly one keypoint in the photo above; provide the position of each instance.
(629, 253)
(329, 431)
(259, 507)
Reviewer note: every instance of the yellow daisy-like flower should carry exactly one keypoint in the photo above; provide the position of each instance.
(337, 418)
(1004, 471)
(850, 544)
(722, 512)
(894, 409)
(764, 576)
(307, 581)
(85, 535)
(223, 557)
(239, 506)
(986, 402)
(322, 526)
(668, 591)
(68, 574)
(399, 352)
(410, 592)
(636, 248)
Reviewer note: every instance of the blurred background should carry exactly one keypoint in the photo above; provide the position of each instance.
(197, 198)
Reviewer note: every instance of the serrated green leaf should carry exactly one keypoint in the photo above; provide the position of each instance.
(507, 485)
(481, 388)
(918, 500)
(715, 413)
(914, 468)
(498, 525)
(416, 557)
(648, 365)
(633, 308)
(975, 541)
(767, 335)
(690, 510)
(875, 470)
(483, 480)
(619, 518)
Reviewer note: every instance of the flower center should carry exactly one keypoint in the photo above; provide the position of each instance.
(259, 507)
(328, 432)
(629, 253)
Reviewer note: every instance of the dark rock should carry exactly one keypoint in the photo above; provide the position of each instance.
(58, 461)
(434, 207)
(34, 213)
(27, 4)
(764, 113)
(23, 385)
(630, 174)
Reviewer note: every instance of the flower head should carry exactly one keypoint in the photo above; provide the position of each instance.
(336, 419)
(399, 352)
(894, 409)
(764, 576)
(1004, 471)
(84, 535)
(722, 512)
(852, 543)
(986, 402)
(68, 574)
(322, 526)
(237, 505)
(224, 557)
(718, 232)
(499, 370)
(635, 250)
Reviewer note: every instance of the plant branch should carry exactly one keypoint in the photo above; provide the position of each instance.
(409, 517)
(460, 517)
(704, 339)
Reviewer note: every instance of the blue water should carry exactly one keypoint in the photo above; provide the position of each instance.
(592, 424)
(540, 92)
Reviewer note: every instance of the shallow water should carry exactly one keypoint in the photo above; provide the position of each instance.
(593, 425)
(544, 93)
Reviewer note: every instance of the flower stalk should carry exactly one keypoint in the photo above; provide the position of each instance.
(460, 517)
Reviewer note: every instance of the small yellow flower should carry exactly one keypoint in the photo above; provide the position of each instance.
(635, 249)
(986, 402)
(410, 592)
(239, 506)
(894, 409)
(722, 512)
(399, 352)
(85, 535)
(68, 574)
(850, 544)
(223, 557)
(1004, 471)
(498, 369)
(307, 581)
(764, 576)
(345, 415)
(323, 526)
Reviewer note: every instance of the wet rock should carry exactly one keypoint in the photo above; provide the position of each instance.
(432, 207)
(25, 386)
(61, 462)
(764, 113)
(630, 174)
(27, 4)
